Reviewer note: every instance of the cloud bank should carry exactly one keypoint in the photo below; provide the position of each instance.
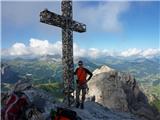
(106, 14)
(38, 47)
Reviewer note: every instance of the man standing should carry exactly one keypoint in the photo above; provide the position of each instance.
(82, 80)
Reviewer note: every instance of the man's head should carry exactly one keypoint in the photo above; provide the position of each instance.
(80, 63)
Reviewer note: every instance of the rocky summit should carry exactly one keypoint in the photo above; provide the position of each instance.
(120, 92)
(44, 102)
(112, 96)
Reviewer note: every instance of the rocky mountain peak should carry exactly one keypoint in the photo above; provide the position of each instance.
(119, 92)
(103, 69)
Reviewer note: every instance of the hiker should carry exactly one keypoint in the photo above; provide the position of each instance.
(82, 80)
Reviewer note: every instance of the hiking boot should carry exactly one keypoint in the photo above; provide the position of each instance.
(77, 105)
(82, 106)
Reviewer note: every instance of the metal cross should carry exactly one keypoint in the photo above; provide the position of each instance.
(68, 25)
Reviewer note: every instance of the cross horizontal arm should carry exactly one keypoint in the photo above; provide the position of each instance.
(52, 18)
(78, 27)
(60, 21)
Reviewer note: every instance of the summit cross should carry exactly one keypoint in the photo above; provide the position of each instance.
(68, 25)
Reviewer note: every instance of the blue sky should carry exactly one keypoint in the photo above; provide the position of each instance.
(114, 26)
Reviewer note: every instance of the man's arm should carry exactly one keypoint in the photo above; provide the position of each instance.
(89, 73)
(75, 72)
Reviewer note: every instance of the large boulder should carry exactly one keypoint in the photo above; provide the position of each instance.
(119, 92)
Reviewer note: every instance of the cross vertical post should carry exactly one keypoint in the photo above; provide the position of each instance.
(67, 50)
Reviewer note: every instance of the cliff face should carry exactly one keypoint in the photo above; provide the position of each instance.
(120, 92)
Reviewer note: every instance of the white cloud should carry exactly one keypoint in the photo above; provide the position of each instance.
(111, 15)
(94, 53)
(78, 51)
(104, 16)
(131, 52)
(43, 47)
(39, 47)
(18, 49)
(36, 47)
(150, 52)
(38, 43)
(139, 52)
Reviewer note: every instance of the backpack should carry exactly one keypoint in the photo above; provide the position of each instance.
(14, 106)
(81, 75)
(64, 114)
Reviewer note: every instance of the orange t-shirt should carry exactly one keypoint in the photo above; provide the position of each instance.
(81, 75)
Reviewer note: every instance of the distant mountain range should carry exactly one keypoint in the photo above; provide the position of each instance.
(49, 68)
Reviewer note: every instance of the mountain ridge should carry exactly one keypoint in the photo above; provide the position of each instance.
(140, 68)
